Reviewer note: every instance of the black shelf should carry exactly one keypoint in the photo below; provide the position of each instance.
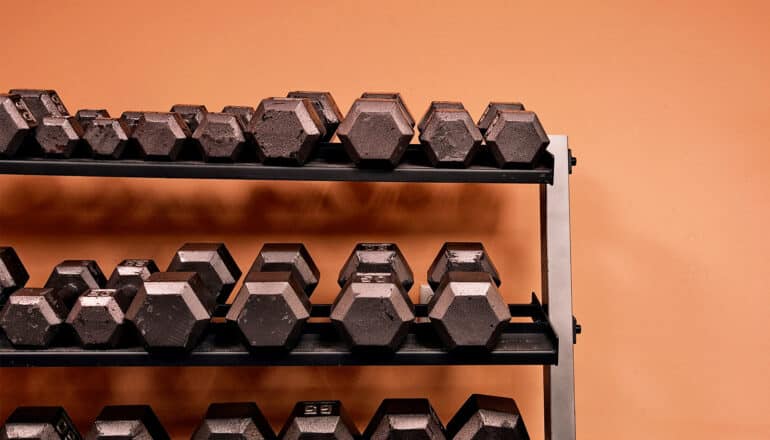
(522, 343)
(329, 164)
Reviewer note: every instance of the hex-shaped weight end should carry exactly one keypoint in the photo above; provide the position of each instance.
(438, 105)
(59, 136)
(235, 421)
(319, 420)
(395, 96)
(450, 138)
(405, 419)
(487, 417)
(286, 130)
(130, 274)
(171, 311)
(214, 264)
(377, 258)
(462, 257)
(375, 132)
(468, 311)
(373, 312)
(39, 423)
(13, 275)
(97, 318)
(42, 102)
(192, 114)
(326, 108)
(160, 136)
(131, 118)
(491, 112)
(70, 278)
(270, 310)
(32, 317)
(244, 113)
(85, 116)
(516, 138)
(285, 257)
(15, 123)
(220, 136)
(127, 422)
(107, 137)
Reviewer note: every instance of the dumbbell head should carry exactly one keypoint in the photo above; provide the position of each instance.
(319, 420)
(272, 305)
(15, 123)
(244, 113)
(192, 114)
(450, 138)
(220, 137)
(438, 105)
(85, 116)
(327, 110)
(59, 136)
(377, 258)
(463, 257)
(13, 275)
(160, 136)
(214, 264)
(376, 132)
(286, 130)
(487, 417)
(392, 96)
(39, 423)
(42, 102)
(491, 112)
(234, 421)
(127, 422)
(131, 118)
(70, 278)
(107, 137)
(99, 314)
(398, 419)
(373, 312)
(516, 138)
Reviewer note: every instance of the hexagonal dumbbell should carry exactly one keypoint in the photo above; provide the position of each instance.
(376, 132)
(326, 108)
(16, 122)
(373, 310)
(39, 423)
(487, 417)
(397, 419)
(192, 114)
(160, 136)
(448, 135)
(491, 112)
(13, 275)
(220, 137)
(244, 113)
(235, 421)
(273, 305)
(98, 316)
(466, 310)
(515, 137)
(108, 138)
(131, 118)
(57, 134)
(392, 96)
(319, 420)
(33, 317)
(127, 422)
(85, 116)
(172, 309)
(286, 130)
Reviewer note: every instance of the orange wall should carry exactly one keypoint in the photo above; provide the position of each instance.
(665, 104)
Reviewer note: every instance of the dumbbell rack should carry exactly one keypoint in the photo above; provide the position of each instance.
(522, 343)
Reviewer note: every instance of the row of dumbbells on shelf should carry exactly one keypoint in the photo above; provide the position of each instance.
(481, 417)
(282, 131)
(170, 311)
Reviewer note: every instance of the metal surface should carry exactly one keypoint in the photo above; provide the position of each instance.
(559, 380)
(329, 164)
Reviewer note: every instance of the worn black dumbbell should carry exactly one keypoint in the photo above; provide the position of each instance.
(33, 317)
(39, 423)
(160, 136)
(127, 422)
(391, 96)
(514, 137)
(98, 316)
(173, 308)
(13, 275)
(273, 305)
(326, 108)
(286, 130)
(373, 310)
(487, 417)
(405, 419)
(244, 113)
(58, 134)
(192, 114)
(234, 421)
(85, 116)
(319, 420)
(220, 137)
(16, 122)
(376, 132)
(491, 112)
(466, 309)
(131, 118)
(448, 135)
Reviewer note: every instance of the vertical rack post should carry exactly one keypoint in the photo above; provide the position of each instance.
(556, 269)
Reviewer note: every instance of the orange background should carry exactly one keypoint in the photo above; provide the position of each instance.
(666, 105)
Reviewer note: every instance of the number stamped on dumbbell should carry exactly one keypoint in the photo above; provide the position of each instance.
(318, 409)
